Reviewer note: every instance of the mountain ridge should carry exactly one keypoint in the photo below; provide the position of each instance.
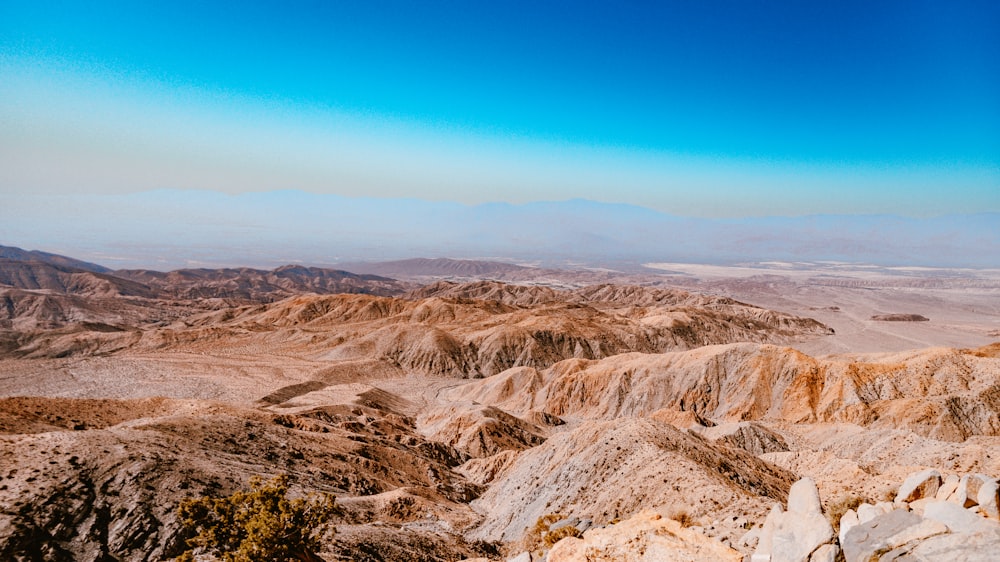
(17, 254)
(365, 229)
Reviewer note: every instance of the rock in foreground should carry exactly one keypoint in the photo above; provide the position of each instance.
(646, 537)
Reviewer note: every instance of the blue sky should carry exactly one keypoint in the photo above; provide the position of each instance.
(713, 109)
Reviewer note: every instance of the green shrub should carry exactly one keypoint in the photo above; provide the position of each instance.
(259, 525)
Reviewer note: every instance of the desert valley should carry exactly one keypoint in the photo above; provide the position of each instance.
(462, 409)
(508, 281)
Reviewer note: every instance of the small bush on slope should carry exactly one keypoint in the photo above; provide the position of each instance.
(259, 525)
(838, 508)
(539, 539)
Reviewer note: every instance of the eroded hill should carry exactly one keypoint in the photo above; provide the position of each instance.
(461, 336)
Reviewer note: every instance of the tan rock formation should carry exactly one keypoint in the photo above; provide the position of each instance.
(924, 484)
(794, 535)
(644, 537)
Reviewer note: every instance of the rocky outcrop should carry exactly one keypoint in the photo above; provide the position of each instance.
(927, 528)
(796, 535)
(900, 318)
(876, 538)
(644, 537)
(923, 484)
(922, 524)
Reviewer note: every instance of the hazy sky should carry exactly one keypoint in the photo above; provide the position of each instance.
(698, 108)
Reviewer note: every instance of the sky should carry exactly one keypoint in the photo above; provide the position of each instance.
(696, 108)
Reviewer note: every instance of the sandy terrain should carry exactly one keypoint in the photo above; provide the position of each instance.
(963, 305)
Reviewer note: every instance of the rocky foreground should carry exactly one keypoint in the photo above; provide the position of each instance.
(930, 518)
(468, 468)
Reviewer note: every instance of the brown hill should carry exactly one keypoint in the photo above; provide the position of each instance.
(605, 293)
(255, 285)
(479, 431)
(112, 491)
(17, 254)
(506, 293)
(630, 300)
(33, 270)
(41, 276)
(45, 323)
(52, 310)
(470, 337)
(30, 310)
(899, 317)
(50, 324)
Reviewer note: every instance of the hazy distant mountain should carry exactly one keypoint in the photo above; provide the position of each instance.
(12, 253)
(166, 229)
(258, 285)
(434, 267)
(242, 284)
(35, 276)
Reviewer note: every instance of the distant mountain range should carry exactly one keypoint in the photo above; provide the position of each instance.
(434, 267)
(17, 254)
(168, 229)
(51, 273)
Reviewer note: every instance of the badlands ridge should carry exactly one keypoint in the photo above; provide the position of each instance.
(475, 418)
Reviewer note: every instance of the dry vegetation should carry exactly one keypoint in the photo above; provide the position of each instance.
(836, 509)
(257, 525)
